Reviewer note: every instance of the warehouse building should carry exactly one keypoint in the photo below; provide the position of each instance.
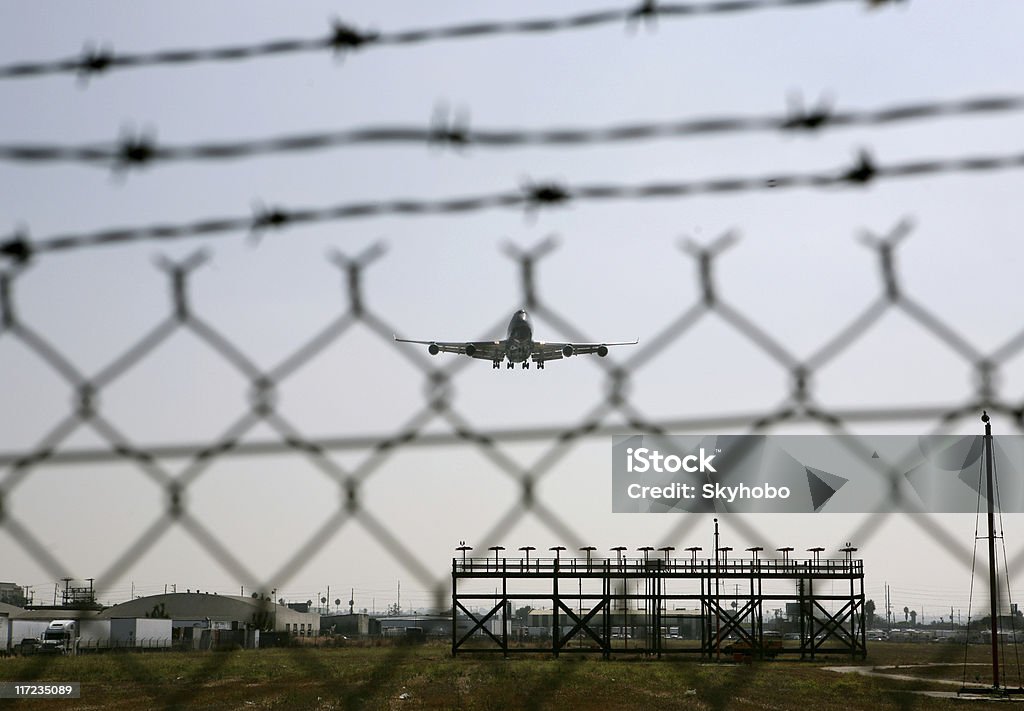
(430, 625)
(197, 620)
(355, 624)
(231, 612)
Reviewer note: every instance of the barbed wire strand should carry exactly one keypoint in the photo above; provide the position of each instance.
(18, 248)
(345, 38)
(137, 150)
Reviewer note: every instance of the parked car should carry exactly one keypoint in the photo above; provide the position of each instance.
(29, 645)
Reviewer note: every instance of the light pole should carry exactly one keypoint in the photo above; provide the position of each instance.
(496, 549)
(693, 553)
(527, 549)
(625, 590)
(618, 550)
(589, 550)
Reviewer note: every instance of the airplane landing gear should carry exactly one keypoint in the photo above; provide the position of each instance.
(495, 364)
(526, 364)
(510, 364)
(540, 365)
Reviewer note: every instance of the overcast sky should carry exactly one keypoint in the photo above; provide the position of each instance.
(800, 271)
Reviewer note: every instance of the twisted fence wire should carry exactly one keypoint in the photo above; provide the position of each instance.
(262, 404)
(262, 407)
(344, 38)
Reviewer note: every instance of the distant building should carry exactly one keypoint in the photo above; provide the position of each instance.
(219, 612)
(432, 625)
(13, 594)
(624, 623)
(350, 625)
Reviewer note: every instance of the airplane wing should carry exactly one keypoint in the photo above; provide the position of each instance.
(486, 350)
(554, 351)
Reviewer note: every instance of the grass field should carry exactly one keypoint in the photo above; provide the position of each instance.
(427, 677)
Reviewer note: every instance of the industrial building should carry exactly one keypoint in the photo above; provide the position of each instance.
(679, 623)
(431, 625)
(354, 624)
(13, 594)
(232, 612)
(193, 621)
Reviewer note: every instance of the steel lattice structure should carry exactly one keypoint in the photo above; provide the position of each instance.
(588, 618)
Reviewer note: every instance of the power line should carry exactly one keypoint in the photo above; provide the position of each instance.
(344, 38)
(141, 150)
(864, 171)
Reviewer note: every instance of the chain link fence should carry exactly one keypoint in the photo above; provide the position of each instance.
(613, 408)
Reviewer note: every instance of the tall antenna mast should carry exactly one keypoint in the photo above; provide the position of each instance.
(992, 580)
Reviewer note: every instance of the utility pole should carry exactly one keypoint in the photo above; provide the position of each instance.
(992, 581)
(718, 599)
(888, 607)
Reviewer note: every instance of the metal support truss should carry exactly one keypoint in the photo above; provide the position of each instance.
(702, 607)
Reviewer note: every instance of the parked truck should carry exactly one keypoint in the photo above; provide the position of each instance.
(60, 637)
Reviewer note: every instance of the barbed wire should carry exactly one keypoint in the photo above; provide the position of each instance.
(531, 197)
(137, 150)
(345, 38)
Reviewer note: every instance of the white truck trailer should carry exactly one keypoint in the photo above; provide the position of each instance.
(93, 635)
(27, 629)
(140, 633)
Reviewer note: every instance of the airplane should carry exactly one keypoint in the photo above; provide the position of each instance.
(518, 346)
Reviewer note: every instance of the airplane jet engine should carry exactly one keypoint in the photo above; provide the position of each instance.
(568, 351)
(432, 349)
(470, 350)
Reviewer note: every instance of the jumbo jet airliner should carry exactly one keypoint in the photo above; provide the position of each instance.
(518, 346)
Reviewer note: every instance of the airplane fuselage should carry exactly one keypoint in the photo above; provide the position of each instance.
(519, 338)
